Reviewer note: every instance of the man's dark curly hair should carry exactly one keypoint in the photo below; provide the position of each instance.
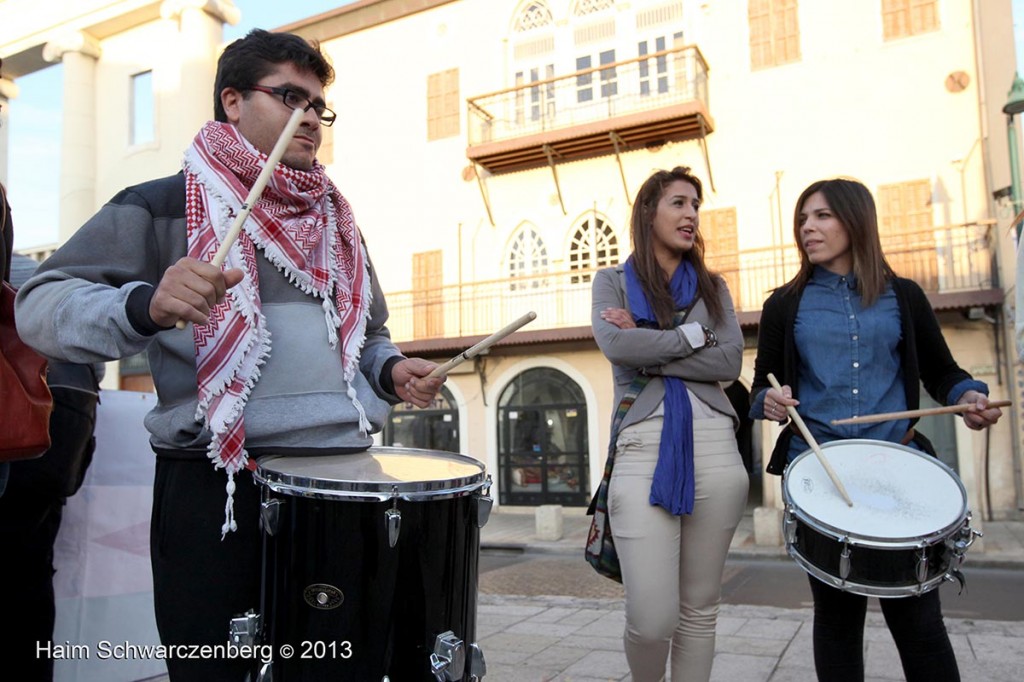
(248, 60)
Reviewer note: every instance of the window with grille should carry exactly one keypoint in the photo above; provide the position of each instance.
(443, 104)
(902, 18)
(774, 32)
(584, 7)
(537, 103)
(594, 245)
(534, 15)
(655, 76)
(527, 258)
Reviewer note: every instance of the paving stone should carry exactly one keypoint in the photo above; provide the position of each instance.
(739, 667)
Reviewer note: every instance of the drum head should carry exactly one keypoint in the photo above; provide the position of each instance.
(377, 473)
(898, 493)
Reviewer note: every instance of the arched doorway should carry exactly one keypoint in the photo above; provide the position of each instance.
(542, 440)
(432, 428)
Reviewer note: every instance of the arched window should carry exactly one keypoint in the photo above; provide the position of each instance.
(534, 15)
(533, 56)
(542, 440)
(594, 245)
(432, 428)
(585, 7)
(527, 258)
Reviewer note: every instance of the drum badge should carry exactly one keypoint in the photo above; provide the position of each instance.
(323, 596)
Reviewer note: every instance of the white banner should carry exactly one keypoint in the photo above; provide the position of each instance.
(104, 585)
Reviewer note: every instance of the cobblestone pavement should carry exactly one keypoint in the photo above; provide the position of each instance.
(565, 639)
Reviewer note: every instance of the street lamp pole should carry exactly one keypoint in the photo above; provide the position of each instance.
(1015, 105)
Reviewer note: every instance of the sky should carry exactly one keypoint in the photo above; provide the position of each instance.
(33, 169)
(35, 120)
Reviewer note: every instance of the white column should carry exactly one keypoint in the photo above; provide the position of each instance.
(200, 33)
(78, 52)
(8, 91)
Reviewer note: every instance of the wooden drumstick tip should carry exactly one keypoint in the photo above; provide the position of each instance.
(806, 433)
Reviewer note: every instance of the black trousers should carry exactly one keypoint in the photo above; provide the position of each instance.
(915, 623)
(28, 528)
(31, 509)
(200, 581)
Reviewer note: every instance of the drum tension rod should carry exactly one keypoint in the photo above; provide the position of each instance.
(844, 559)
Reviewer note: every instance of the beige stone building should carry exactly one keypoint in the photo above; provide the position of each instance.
(491, 149)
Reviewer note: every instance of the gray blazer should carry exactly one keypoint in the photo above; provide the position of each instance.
(666, 352)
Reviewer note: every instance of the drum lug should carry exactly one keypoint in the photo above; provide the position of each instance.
(448, 662)
(245, 629)
(922, 565)
(393, 522)
(844, 560)
(269, 514)
(483, 506)
(789, 526)
(477, 667)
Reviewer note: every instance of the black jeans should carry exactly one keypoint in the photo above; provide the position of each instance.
(915, 623)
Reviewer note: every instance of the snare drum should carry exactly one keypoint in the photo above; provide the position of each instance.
(370, 567)
(906, 533)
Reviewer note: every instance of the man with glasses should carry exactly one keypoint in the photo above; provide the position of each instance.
(226, 396)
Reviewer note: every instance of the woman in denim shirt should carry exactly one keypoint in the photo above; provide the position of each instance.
(848, 337)
(678, 486)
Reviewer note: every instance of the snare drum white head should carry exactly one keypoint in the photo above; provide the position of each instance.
(897, 493)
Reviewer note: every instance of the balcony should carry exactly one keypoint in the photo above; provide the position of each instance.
(953, 264)
(608, 109)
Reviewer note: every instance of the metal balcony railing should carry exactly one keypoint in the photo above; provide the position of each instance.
(654, 98)
(950, 259)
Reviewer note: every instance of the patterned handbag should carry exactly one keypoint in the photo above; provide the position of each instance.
(600, 550)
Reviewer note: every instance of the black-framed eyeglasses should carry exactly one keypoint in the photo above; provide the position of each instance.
(296, 100)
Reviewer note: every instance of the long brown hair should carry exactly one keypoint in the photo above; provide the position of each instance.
(853, 206)
(652, 277)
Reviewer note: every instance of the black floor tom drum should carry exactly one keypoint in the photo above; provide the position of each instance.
(370, 567)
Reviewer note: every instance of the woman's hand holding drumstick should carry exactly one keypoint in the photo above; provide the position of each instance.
(798, 420)
(202, 289)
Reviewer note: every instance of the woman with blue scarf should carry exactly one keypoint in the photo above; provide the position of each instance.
(678, 485)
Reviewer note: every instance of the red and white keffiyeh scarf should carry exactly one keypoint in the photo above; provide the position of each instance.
(304, 227)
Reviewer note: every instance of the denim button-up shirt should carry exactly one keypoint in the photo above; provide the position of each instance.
(850, 362)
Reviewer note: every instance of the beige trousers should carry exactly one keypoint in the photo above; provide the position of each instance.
(672, 566)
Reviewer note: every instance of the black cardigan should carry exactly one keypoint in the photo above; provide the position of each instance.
(924, 355)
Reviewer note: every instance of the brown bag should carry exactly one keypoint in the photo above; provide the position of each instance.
(25, 401)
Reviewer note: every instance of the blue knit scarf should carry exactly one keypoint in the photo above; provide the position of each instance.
(673, 486)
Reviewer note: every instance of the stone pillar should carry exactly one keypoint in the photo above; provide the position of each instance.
(78, 52)
(200, 33)
(548, 522)
(8, 91)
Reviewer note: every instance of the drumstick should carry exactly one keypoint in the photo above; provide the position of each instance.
(910, 414)
(442, 370)
(795, 416)
(257, 189)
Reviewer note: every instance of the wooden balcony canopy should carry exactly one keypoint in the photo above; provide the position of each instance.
(686, 121)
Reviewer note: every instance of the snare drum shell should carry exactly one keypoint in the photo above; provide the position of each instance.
(383, 606)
